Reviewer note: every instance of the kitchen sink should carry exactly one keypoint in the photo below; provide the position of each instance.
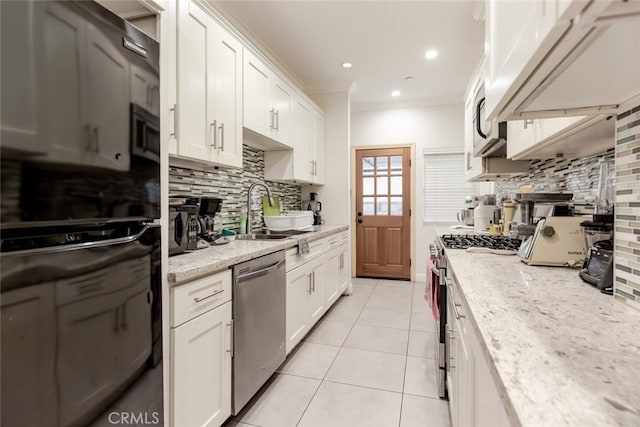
(270, 235)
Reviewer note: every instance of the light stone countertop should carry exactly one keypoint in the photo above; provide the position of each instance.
(561, 353)
(194, 264)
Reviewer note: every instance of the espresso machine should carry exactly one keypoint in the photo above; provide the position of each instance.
(314, 205)
(206, 215)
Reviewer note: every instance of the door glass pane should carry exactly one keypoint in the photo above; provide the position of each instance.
(396, 206)
(382, 165)
(367, 186)
(367, 206)
(396, 184)
(382, 185)
(382, 206)
(367, 166)
(396, 165)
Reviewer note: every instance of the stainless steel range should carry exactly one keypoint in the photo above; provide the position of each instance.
(437, 288)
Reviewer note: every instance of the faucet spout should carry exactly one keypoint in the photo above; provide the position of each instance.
(271, 202)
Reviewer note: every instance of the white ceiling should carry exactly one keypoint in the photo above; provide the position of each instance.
(385, 40)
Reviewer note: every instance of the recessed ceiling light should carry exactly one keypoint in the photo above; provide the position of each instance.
(395, 93)
(347, 65)
(431, 53)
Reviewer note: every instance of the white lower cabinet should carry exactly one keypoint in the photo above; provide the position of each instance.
(336, 274)
(474, 399)
(305, 300)
(201, 350)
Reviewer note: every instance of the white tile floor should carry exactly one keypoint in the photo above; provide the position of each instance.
(368, 362)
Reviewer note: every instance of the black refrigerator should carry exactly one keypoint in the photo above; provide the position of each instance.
(80, 269)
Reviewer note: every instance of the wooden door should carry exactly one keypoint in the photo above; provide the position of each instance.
(383, 213)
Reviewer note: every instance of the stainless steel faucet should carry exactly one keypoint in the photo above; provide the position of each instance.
(271, 203)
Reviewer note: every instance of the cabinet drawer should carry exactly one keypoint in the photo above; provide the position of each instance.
(199, 296)
(337, 240)
(316, 249)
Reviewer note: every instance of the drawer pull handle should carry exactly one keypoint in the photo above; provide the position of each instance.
(197, 300)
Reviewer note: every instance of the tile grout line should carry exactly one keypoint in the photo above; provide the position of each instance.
(336, 356)
(406, 359)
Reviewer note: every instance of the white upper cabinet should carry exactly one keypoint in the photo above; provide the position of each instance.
(556, 58)
(578, 136)
(305, 162)
(209, 91)
(268, 102)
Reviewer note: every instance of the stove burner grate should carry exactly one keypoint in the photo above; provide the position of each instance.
(464, 241)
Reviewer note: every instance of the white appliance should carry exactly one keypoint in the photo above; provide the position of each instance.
(557, 241)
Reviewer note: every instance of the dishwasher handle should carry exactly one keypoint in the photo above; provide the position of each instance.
(261, 272)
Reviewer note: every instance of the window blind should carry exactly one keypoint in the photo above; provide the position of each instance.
(444, 186)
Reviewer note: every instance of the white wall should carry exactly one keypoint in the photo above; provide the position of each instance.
(440, 127)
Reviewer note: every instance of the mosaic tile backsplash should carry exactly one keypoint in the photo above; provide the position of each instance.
(577, 176)
(231, 186)
(627, 231)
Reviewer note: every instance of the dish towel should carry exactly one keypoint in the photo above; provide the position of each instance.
(303, 245)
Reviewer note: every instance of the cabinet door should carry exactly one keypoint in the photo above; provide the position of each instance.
(64, 104)
(228, 99)
(21, 92)
(201, 371)
(465, 378)
(522, 136)
(109, 101)
(335, 275)
(298, 293)
(302, 160)
(318, 152)
(281, 97)
(28, 356)
(257, 114)
(196, 129)
(317, 305)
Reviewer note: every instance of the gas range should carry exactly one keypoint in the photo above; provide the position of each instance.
(464, 241)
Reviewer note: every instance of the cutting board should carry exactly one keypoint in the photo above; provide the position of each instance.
(268, 210)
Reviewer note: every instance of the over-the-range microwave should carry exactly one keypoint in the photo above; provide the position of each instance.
(489, 137)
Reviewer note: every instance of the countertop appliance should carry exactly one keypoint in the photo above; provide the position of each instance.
(207, 211)
(183, 224)
(314, 205)
(80, 272)
(259, 328)
(489, 137)
(533, 206)
(557, 241)
(597, 268)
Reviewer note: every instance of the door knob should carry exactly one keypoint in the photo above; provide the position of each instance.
(359, 213)
(359, 220)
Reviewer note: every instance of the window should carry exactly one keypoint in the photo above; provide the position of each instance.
(444, 186)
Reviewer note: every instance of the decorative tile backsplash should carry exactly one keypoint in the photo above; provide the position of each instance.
(577, 176)
(231, 185)
(627, 231)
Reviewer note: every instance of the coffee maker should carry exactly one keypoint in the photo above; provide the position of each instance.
(314, 205)
(206, 215)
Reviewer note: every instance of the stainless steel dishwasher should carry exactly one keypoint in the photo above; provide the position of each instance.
(259, 291)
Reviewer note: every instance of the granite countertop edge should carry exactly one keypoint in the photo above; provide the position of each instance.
(203, 262)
